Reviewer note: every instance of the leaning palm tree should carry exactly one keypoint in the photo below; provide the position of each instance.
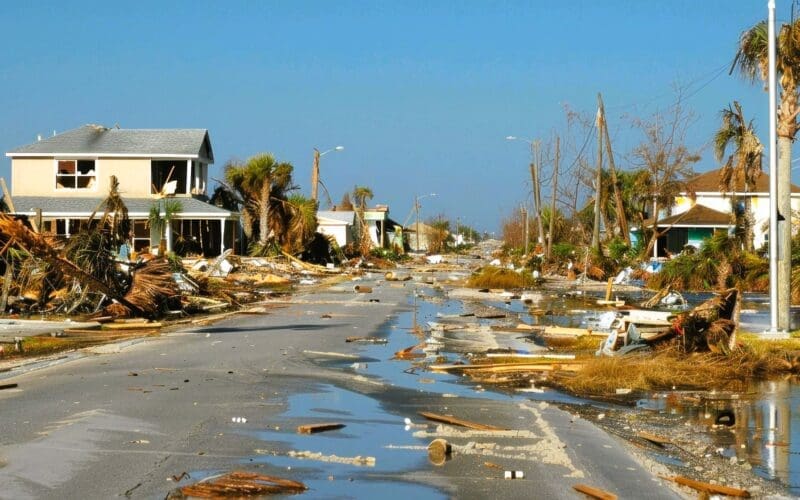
(743, 166)
(259, 181)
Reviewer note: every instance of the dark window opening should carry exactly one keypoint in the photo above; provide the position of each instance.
(168, 177)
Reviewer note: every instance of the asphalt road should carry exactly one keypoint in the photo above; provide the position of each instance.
(229, 397)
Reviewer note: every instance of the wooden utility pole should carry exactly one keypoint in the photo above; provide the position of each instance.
(315, 175)
(597, 186)
(524, 213)
(622, 221)
(536, 161)
(553, 199)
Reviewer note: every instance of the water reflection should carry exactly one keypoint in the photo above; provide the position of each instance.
(754, 426)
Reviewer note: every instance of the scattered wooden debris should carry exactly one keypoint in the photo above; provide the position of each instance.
(593, 492)
(709, 488)
(445, 419)
(566, 365)
(8, 386)
(242, 484)
(654, 438)
(362, 289)
(314, 428)
(136, 325)
(408, 353)
(367, 340)
(439, 451)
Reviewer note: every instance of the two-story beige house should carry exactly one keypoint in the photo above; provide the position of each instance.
(701, 209)
(64, 178)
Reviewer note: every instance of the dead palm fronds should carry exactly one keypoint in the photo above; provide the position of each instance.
(152, 287)
(19, 236)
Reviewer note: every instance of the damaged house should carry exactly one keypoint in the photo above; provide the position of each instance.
(701, 209)
(59, 181)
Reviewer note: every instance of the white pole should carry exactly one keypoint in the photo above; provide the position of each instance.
(773, 179)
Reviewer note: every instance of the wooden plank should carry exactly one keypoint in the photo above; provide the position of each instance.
(130, 326)
(593, 492)
(708, 487)
(574, 332)
(528, 367)
(531, 355)
(568, 365)
(314, 428)
(445, 419)
(8, 386)
(654, 438)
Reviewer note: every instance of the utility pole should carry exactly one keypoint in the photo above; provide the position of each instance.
(315, 175)
(622, 221)
(416, 210)
(524, 213)
(537, 202)
(553, 200)
(597, 187)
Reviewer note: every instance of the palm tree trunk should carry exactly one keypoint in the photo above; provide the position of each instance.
(748, 224)
(263, 214)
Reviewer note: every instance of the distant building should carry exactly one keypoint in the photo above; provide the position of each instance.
(343, 225)
(66, 177)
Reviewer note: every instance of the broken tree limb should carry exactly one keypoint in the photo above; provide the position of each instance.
(445, 419)
(594, 492)
(708, 487)
(38, 246)
(314, 428)
(305, 265)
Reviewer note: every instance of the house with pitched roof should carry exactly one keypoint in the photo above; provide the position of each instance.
(701, 210)
(62, 180)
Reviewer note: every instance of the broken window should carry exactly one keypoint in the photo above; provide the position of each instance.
(141, 236)
(75, 174)
(168, 177)
(64, 228)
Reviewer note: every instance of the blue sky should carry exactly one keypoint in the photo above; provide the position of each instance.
(421, 94)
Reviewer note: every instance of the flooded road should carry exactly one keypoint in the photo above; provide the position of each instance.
(231, 396)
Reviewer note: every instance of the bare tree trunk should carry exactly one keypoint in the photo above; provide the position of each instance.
(553, 201)
(652, 243)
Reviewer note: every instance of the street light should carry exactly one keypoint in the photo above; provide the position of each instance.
(315, 169)
(416, 210)
(537, 202)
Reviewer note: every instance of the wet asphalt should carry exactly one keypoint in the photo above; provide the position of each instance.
(229, 396)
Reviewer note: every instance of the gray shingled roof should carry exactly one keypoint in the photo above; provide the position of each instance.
(98, 140)
(137, 207)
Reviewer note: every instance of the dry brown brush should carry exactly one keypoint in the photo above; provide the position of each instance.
(670, 369)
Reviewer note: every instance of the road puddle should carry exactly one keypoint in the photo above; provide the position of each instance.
(759, 426)
(362, 459)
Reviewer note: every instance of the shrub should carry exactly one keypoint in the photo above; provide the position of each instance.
(499, 277)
